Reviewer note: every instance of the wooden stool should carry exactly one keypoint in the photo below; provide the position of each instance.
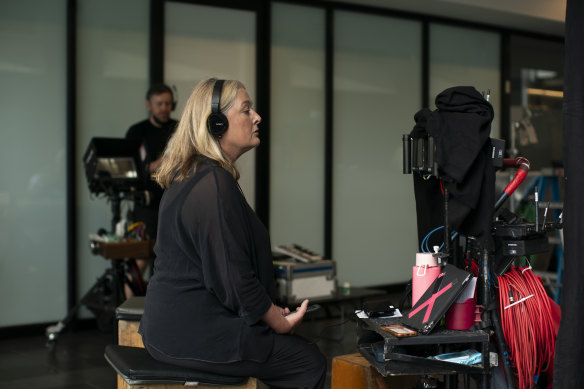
(353, 371)
(128, 316)
(138, 370)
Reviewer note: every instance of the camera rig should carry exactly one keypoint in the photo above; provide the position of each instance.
(114, 168)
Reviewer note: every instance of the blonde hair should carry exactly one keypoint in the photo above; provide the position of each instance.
(192, 139)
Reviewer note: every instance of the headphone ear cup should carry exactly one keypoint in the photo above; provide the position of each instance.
(217, 124)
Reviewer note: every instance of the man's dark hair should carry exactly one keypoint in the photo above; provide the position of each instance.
(158, 89)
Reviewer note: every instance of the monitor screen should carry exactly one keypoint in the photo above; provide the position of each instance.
(117, 167)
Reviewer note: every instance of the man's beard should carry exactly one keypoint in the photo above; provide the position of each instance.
(160, 123)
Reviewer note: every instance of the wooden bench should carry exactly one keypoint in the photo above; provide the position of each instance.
(138, 370)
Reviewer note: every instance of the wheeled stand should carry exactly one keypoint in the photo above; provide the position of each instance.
(419, 157)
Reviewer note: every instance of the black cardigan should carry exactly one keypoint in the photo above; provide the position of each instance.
(213, 277)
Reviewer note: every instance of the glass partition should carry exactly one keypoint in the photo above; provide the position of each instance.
(297, 137)
(201, 42)
(466, 57)
(112, 71)
(537, 83)
(33, 262)
(377, 84)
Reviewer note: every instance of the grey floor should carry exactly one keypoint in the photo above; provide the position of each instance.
(77, 359)
(77, 362)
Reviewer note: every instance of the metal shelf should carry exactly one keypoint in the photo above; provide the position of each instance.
(397, 361)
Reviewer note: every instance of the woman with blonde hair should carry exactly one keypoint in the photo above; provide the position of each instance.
(209, 303)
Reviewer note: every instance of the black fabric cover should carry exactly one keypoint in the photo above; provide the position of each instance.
(568, 372)
(138, 367)
(461, 127)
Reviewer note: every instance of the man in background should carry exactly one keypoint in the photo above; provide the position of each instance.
(154, 133)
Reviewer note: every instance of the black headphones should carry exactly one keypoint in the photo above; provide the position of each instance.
(217, 122)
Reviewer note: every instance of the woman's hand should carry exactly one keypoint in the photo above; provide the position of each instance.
(282, 321)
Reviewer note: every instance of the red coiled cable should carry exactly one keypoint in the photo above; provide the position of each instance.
(471, 265)
(528, 324)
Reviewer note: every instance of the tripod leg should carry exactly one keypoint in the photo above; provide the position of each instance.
(52, 332)
(119, 279)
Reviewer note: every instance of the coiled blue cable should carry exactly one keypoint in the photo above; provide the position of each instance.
(424, 245)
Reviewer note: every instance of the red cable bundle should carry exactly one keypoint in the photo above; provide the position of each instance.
(472, 266)
(528, 325)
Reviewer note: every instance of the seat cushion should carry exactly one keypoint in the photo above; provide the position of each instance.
(131, 309)
(137, 367)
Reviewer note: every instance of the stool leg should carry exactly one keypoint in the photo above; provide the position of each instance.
(128, 334)
(122, 384)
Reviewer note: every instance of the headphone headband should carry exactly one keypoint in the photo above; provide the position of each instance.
(217, 89)
(217, 123)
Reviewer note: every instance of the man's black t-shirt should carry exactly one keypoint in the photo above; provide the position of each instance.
(155, 140)
(154, 137)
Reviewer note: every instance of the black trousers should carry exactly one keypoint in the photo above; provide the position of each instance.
(294, 363)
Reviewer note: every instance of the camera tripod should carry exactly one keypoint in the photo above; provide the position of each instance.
(106, 293)
(102, 299)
